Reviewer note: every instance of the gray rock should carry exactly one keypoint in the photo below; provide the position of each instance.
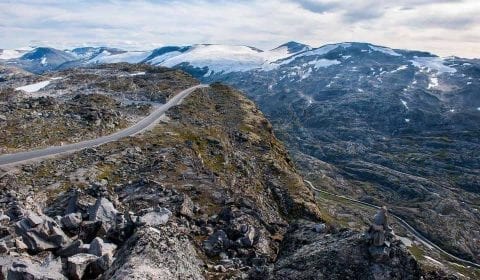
(186, 209)
(156, 218)
(100, 248)
(34, 219)
(3, 247)
(319, 228)
(88, 230)
(76, 247)
(23, 269)
(248, 238)
(100, 265)
(71, 221)
(4, 219)
(20, 245)
(216, 243)
(41, 233)
(342, 255)
(103, 211)
(77, 265)
(146, 255)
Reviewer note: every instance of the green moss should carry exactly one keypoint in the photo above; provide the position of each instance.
(417, 252)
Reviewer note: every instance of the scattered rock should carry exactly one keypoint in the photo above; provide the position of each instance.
(216, 243)
(41, 233)
(146, 255)
(100, 248)
(103, 211)
(88, 230)
(156, 218)
(319, 228)
(76, 247)
(71, 221)
(23, 269)
(186, 209)
(77, 265)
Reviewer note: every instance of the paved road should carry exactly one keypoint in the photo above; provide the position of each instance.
(404, 224)
(142, 125)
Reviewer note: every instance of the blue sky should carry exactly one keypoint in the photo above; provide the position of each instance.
(444, 27)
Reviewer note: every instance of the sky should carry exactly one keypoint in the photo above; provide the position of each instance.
(443, 27)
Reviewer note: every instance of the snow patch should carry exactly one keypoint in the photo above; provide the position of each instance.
(129, 57)
(43, 61)
(385, 50)
(137, 74)
(161, 58)
(403, 67)
(432, 64)
(322, 63)
(34, 87)
(318, 52)
(404, 103)
(219, 58)
(433, 82)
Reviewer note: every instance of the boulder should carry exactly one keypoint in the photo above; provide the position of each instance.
(24, 268)
(319, 228)
(100, 248)
(88, 230)
(34, 219)
(100, 265)
(40, 233)
(20, 245)
(71, 221)
(104, 211)
(248, 238)
(186, 208)
(216, 243)
(77, 265)
(160, 254)
(3, 247)
(76, 247)
(156, 218)
(4, 219)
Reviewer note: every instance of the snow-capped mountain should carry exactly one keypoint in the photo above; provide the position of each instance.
(384, 125)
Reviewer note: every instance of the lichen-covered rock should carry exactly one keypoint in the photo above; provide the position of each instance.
(160, 254)
(22, 268)
(156, 218)
(344, 255)
(77, 265)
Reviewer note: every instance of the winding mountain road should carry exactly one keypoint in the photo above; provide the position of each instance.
(142, 125)
(425, 241)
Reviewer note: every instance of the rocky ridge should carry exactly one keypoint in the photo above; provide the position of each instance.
(209, 193)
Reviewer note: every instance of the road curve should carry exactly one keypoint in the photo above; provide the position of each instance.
(404, 224)
(142, 125)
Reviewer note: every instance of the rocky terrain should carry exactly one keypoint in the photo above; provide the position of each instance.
(80, 104)
(386, 126)
(209, 193)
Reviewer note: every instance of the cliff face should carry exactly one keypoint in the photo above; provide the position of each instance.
(209, 192)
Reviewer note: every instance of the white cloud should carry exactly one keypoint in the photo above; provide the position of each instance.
(444, 27)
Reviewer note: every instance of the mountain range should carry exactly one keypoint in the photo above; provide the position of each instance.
(386, 126)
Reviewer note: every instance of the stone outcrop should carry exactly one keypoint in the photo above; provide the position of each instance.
(153, 253)
(307, 254)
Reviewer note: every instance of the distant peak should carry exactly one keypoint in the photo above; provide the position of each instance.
(294, 47)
